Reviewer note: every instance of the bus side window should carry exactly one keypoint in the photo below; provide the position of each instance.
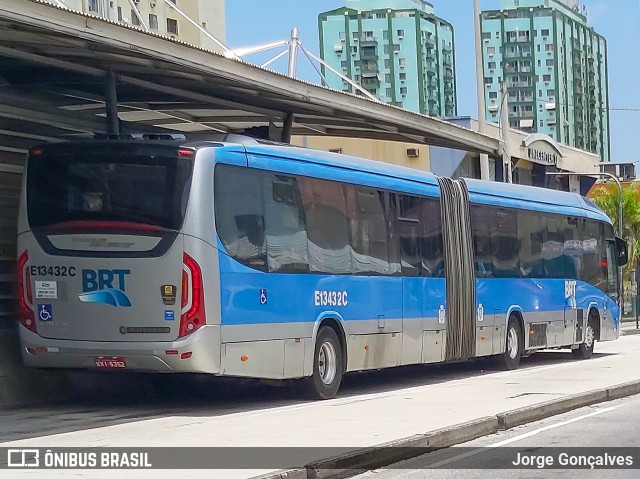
(420, 234)
(530, 237)
(287, 248)
(504, 238)
(369, 235)
(239, 214)
(482, 243)
(325, 210)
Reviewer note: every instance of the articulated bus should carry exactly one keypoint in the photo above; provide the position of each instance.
(246, 259)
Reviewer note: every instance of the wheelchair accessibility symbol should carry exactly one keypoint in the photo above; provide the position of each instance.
(45, 312)
(263, 297)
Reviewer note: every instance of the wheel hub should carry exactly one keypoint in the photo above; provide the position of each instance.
(327, 363)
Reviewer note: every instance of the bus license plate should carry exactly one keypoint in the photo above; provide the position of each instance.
(111, 363)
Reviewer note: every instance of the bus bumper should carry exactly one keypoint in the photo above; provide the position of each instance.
(171, 356)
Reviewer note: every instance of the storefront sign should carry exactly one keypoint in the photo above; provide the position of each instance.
(542, 157)
(541, 149)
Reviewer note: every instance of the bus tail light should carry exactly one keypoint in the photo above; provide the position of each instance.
(193, 314)
(27, 317)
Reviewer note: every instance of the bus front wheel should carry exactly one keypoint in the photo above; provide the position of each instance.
(510, 359)
(585, 350)
(327, 366)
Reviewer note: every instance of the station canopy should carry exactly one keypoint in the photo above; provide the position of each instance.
(53, 80)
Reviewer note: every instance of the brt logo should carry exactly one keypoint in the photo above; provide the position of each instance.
(105, 286)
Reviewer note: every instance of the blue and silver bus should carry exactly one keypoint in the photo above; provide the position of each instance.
(254, 260)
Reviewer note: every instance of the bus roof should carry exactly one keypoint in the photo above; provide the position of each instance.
(339, 160)
(491, 191)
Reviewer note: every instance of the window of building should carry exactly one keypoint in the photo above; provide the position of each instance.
(403, 76)
(549, 47)
(387, 64)
(119, 14)
(492, 65)
(389, 93)
(385, 35)
(172, 26)
(368, 34)
(491, 50)
(545, 32)
(355, 35)
(343, 35)
(403, 90)
(381, 15)
(134, 18)
(400, 33)
(486, 35)
(354, 49)
(402, 62)
(493, 95)
(488, 80)
(546, 78)
(550, 62)
(396, 48)
(344, 64)
(153, 21)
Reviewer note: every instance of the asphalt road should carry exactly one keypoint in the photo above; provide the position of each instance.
(614, 424)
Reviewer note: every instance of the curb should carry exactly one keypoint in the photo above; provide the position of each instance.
(362, 460)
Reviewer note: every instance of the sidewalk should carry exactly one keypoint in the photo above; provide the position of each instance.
(360, 421)
(628, 326)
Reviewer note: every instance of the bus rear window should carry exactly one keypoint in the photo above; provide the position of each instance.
(101, 187)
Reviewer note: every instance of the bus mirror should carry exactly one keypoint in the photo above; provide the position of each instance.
(623, 252)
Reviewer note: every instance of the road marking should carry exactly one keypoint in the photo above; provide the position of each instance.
(535, 432)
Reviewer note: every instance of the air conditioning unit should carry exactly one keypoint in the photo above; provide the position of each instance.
(413, 152)
(152, 4)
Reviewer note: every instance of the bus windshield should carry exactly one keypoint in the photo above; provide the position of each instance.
(110, 187)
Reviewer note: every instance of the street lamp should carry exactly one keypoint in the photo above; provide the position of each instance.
(482, 120)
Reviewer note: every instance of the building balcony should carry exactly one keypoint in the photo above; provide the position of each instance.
(519, 84)
(368, 41)
(368, 55)
(518, 40)
(517, 55)
(521, 114)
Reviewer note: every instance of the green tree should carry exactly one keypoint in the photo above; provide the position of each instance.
(607, 200)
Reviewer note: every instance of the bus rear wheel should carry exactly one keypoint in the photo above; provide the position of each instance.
(327, 366)
(585, 350)
(510, 359)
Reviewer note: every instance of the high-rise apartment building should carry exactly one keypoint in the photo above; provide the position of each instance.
(555, 67)
(161, 17)
(398, 50)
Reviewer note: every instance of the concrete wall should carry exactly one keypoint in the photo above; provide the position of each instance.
(385, 151)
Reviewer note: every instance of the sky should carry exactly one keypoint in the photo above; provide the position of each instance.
(257, 22)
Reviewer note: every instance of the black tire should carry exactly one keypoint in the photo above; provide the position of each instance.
(510, 359)
(327, 366)
(585, 350)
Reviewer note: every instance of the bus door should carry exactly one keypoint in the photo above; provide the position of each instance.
(419, 229)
